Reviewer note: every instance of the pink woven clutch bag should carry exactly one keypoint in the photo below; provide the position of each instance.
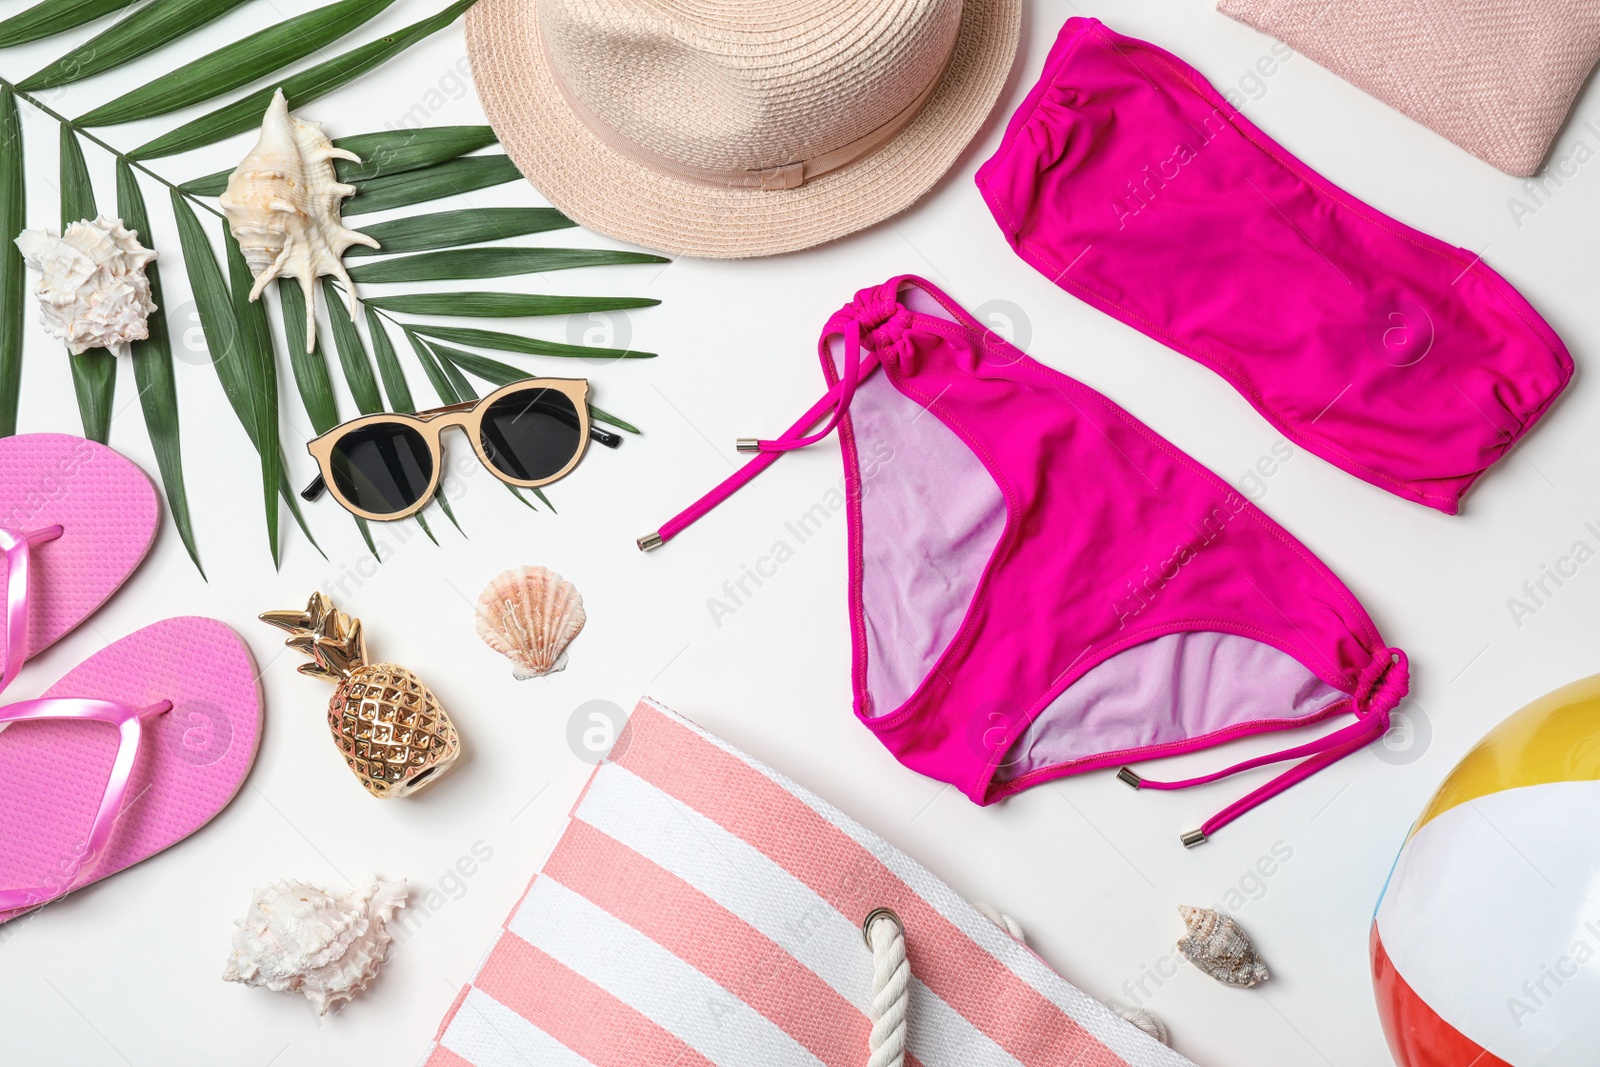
(1497, 77)
(702, 909)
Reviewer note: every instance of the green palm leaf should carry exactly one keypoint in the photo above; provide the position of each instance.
(459, 263)
(352, 353)
(152, 371)
(458, 381)
(148, 28)
(310, 368)
(445, 229)
(503, 305)
(257, 369)
(94, 372)
(532, 346)
(300, 89)
(53, 17)
(13, 270)
(442, 383)
(461, 175)
(240, 63)
(398, 151)
(605, 416)
(395, 386)
(215, 302)
(393, 152)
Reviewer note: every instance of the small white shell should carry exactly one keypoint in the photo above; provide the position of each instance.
(1218, 947)
(92, 290)
(282, 204)
(302, 938)
(530, 615)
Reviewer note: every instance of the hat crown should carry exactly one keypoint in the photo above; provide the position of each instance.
(747, 85)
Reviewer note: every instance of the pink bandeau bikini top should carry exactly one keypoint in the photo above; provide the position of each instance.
(1041, 585)
(1130, 182)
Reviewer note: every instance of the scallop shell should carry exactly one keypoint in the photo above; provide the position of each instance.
(1220, 948)
(282, 204)
(530, 615)
(92, 289)
(302, 938)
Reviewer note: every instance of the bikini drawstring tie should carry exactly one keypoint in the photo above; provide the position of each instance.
(1380, 687)
(874, 317)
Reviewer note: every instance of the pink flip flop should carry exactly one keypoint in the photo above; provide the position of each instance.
(76, 518)
(79, 801)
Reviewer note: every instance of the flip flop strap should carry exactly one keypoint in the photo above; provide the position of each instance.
(16, 548)
(129, 721)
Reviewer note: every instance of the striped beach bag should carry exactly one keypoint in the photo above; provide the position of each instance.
(701, 909)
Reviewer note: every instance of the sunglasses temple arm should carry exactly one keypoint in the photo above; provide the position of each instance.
(314, 490)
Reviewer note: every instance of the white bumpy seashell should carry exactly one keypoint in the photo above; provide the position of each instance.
(1218, 947)
(530, 615)
(282, 204)
(92, 290)
(302, 938)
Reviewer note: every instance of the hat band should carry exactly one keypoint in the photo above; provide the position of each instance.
(789, 176)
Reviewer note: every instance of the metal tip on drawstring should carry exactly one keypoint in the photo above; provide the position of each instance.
(748, 444)
(649, 541)
(1127, 777)
(1193, 838)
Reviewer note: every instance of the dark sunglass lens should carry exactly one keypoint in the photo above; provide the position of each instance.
(531, 434)
(383, 468)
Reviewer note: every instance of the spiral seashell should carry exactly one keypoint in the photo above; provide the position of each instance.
(92, 289)
(282, 204)
(1218, 947)
(302, 938)
(530, 615)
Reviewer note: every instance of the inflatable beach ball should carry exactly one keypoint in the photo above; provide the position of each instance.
(1486, 941)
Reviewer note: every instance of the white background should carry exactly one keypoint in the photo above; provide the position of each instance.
(127, 972)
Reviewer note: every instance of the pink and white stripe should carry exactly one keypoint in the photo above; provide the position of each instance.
(701, 910)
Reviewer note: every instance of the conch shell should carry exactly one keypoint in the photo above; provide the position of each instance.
(282, 204)
(302, 938)
(530, 615)
(1220, 948)
(92, 290)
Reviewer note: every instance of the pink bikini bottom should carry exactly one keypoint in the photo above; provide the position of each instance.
(1130, 182)
(1040, 585)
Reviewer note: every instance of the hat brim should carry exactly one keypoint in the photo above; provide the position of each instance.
(609, 192)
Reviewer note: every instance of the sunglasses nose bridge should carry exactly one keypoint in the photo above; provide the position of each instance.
(455, 420)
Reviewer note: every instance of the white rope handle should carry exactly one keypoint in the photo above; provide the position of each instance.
(1000, 919)
(891, 983)
(1140, 1017)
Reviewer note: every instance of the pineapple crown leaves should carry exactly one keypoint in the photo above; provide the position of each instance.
(331, 638)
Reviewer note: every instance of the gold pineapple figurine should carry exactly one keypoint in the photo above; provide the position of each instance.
(394, 734)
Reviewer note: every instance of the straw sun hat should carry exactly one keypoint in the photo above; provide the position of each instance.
(731, 128)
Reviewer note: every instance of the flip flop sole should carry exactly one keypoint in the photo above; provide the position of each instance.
(192, 760)
(108, 513)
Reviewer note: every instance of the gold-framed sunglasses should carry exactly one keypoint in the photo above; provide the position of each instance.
(387, 466)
